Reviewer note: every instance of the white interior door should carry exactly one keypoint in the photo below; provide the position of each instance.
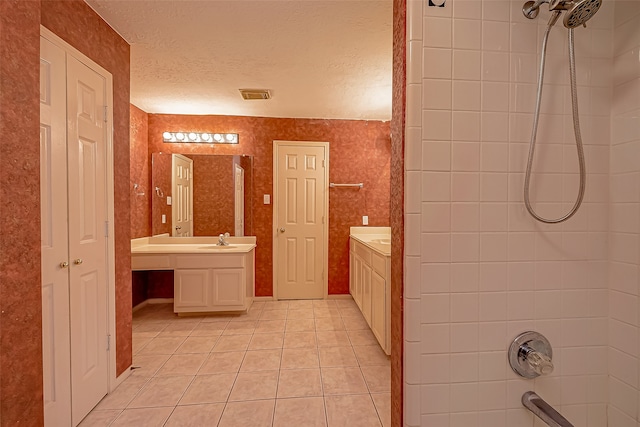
(182, 200)
(54, 236)
(239, 200)
(87, 198)
(301, 175)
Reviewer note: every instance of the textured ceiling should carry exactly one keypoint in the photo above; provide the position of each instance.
(320, 59)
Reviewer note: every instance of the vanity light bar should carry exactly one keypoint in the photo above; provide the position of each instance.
(201, 137)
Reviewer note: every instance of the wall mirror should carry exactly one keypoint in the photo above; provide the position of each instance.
(201, 194)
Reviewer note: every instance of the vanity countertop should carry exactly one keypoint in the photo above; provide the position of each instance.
(377, 238)
(191, 245)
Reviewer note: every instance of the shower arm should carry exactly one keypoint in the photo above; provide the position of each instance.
(530, 8)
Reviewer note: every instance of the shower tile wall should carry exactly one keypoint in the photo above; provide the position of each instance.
(625, 218)
(478, 269)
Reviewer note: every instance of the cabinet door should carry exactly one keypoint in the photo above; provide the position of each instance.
(378, 314)
(357, 280)
(191, 290)
(366, 292)
(228, 289)
(352, 279)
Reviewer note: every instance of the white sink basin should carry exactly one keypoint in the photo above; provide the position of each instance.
(382, 241)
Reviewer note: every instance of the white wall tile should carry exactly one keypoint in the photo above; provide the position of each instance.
(487, 269)
(436, 156)
(467, 34)
(495, 36)
(464, 277)
(436, 63)
(437, 32)
(467, 65)
(436, 94)
(436, 125)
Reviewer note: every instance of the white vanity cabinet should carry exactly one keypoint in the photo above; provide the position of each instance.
(210, 290)
(206, 278)
(210, 283)
(370, 287)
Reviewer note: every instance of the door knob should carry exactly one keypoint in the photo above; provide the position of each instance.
(64, 264)
(77, 261)
(282, 229)
(178, 227)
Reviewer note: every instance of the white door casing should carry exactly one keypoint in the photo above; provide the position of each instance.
(56, 350)
(239, 200)
(300, 219)
(182, 196)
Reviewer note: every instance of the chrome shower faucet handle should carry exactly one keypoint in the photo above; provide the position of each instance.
(530, 355)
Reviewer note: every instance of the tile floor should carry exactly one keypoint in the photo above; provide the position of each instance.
(284, 363)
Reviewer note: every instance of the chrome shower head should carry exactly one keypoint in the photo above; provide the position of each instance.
(580, 11)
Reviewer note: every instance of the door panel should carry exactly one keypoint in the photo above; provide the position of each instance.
(87, 189)
(300, 236)
(54, 235)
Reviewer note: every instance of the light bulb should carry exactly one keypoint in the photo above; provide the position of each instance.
(229, 137)
(205, 137)
(167, 135)
(179, 136)
(192, 136)
(217, 137)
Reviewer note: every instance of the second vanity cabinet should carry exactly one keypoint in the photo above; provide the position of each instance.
(370, 287)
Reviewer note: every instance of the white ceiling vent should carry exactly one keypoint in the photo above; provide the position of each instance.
(251, 94)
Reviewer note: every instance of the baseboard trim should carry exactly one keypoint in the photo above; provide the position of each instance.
(257, 299)
(339, 296)
(160, 300)
(140, 306)
(146, 302)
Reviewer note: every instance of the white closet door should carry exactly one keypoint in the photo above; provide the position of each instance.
(54, 236)
(87, 241)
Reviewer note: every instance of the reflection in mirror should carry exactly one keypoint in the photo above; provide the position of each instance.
(221, 194)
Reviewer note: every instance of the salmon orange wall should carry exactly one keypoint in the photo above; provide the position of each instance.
(359, 151)
(20, 281)
(140, 172)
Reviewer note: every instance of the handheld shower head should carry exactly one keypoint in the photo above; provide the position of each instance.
(580, 12)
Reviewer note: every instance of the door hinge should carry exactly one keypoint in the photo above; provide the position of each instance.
(106, 112)
(108, 342)
(323, 163)
(106, 229)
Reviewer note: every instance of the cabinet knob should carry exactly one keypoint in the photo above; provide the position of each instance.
(282, 229)
(77, 261)
(64, 264)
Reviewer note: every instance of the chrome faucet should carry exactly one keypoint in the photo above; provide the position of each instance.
(222, 241)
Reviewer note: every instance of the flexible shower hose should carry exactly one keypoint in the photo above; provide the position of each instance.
(576, 130)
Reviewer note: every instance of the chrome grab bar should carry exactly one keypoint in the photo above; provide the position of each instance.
(544, 411)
